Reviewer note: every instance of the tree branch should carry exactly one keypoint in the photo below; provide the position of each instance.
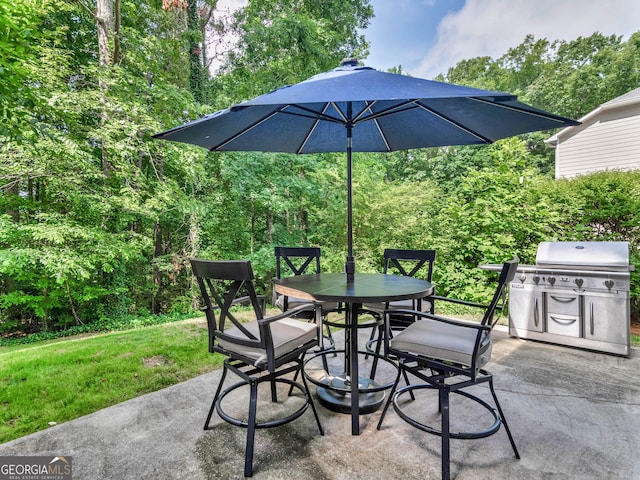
(86, 8)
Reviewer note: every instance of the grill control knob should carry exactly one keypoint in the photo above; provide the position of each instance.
(579, 282)
(536, 278)
(523, 277)
(552, 280)
(608, 284)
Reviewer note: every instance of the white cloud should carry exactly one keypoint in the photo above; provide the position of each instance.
(491, 27)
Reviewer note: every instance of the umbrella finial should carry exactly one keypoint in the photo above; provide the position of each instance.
(349, 62)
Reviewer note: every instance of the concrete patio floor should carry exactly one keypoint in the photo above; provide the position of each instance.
(574, 415)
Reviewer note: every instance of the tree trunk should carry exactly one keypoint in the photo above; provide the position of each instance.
(157, 274)
(105, 25)
(194, 246)
(253, 224)
(116, 33)
(197, 73)
(13, 189)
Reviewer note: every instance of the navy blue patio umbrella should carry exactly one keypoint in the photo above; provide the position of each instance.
(356, 108)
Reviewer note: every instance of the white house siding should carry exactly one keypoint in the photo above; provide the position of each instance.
(610, 142)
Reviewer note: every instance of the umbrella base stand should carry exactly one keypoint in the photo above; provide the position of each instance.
(340, 401)
(350, 269)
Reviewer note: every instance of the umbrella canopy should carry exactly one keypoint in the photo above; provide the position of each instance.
(356, 108)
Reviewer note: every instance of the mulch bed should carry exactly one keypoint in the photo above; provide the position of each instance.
(635, 325)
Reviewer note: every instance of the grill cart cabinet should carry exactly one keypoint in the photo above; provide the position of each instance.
(526, 310)
(601, 319)
(577, 294)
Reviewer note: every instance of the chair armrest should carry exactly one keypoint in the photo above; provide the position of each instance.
(246, 300)
(274, 295)
(439, 318)
(242, 300)
(287, 313)
(459, 302)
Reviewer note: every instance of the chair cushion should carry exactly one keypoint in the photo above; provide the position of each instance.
(294, 302)
(287, 333)
(443, 341)
(405, 304)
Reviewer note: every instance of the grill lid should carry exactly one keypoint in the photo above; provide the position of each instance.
(584, 255)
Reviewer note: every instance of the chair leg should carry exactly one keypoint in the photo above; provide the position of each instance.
(274, 391)
(295, 378)
(330, 337)
(406, 379)
(371, 341)
(390, 399)
(251, 430)
(504, 420)
(311, 402)
(374, 365)
(215, 397)
(441, 383)
(444, 409)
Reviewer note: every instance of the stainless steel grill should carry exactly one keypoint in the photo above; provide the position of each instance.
(577, 294)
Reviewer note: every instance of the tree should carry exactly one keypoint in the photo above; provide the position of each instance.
(18, 52)
(282, 42)
(79, 246)
(582, 74)
(97, 220)
(522, 65)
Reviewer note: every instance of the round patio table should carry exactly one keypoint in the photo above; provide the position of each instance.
(365, 288)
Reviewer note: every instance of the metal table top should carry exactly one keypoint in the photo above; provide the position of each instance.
(366, 287)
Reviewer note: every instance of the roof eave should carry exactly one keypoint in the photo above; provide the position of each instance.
(554, 139)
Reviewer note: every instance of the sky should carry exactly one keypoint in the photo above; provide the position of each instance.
(427, 37)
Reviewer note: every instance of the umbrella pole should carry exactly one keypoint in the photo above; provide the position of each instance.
(350, 265)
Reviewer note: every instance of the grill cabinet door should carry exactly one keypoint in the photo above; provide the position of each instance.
(606, 318)
(525, 307)
(563, 303)
(563, 313)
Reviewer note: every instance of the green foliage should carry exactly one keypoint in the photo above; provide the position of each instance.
(18, 53)
(282, 42)
(495, 213)
(601, 206)
(97, 220)
(569, 78)
(106, 324)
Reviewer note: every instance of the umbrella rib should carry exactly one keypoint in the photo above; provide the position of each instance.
(402, 107)
(312, 129)
(454, 123)
(514, 108)
(374, 117)
(367, 108)
(315, 115)
(345, 120)
(245, 130)
(282, 109)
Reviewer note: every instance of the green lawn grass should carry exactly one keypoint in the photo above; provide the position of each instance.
(57, 381)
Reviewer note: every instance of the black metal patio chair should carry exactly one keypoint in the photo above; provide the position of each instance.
(264, 349)
(294, 261)
(301, 261)
(447, 355)
(408, 263)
